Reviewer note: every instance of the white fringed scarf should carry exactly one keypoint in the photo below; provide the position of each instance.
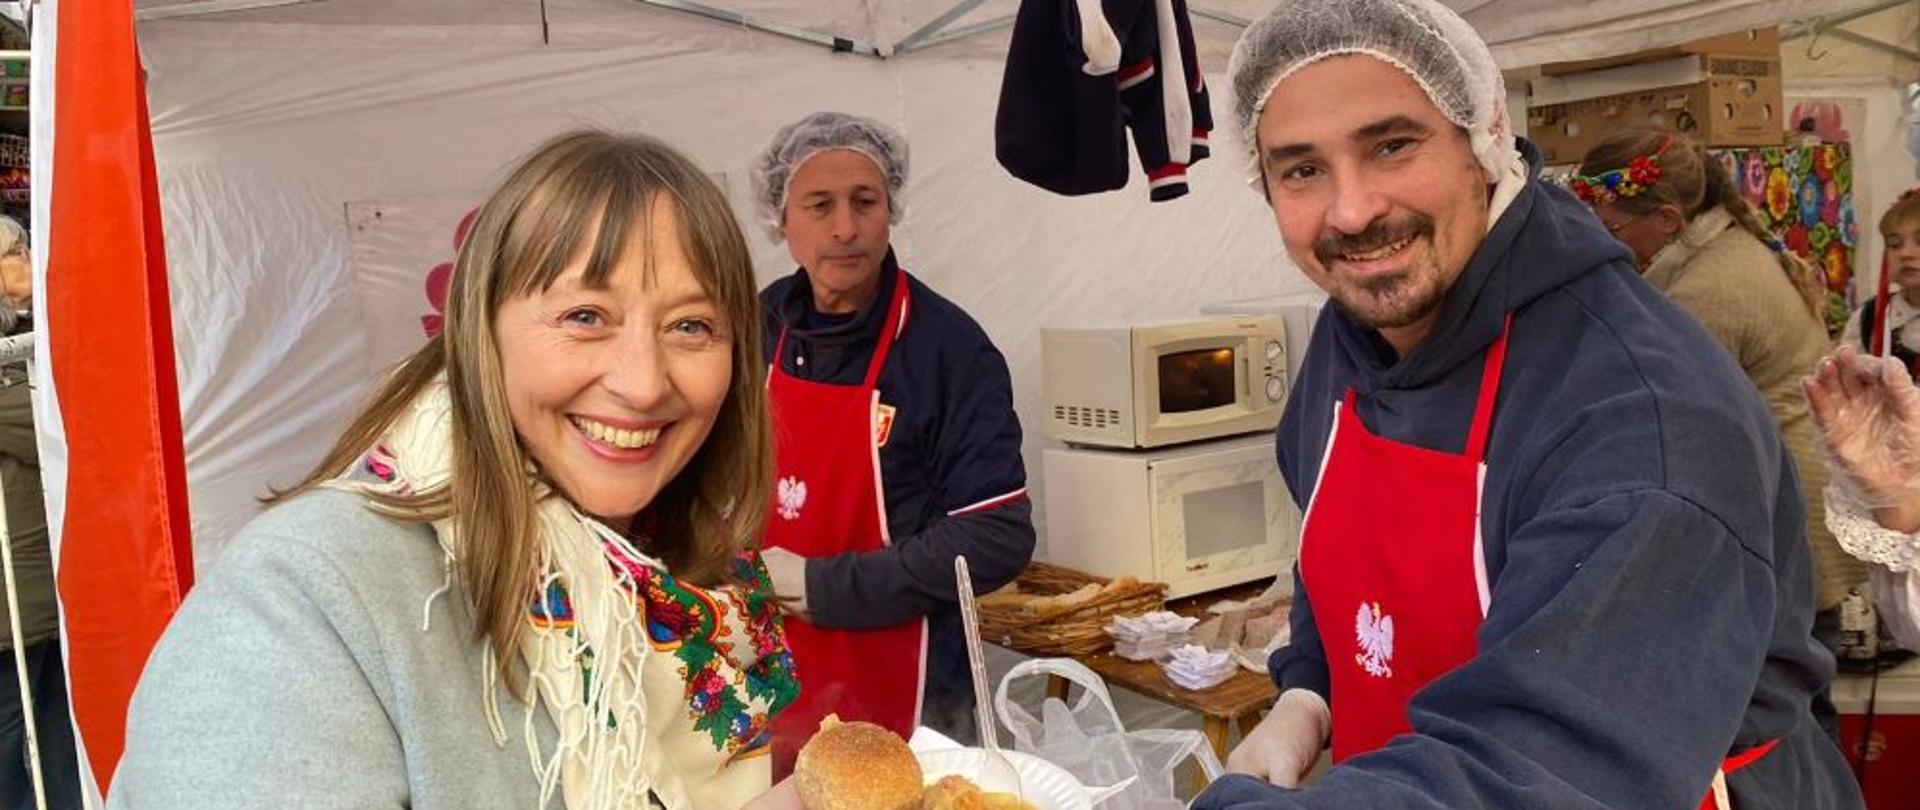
(715, 666)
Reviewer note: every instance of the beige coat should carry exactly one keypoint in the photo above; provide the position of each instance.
(1732, 283)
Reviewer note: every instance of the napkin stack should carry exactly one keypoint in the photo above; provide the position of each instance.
(1149, 637)
(1195, 667)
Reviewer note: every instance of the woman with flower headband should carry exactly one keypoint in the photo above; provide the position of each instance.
(520, 577)
(1699, 242)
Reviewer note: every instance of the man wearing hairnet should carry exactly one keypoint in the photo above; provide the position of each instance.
(1555, 552)
(895, 444)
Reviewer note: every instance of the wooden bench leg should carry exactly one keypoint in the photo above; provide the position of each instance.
(1216, 731)
(1057, 687)
(1246, 722)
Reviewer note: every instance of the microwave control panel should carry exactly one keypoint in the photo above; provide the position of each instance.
(1275, 370)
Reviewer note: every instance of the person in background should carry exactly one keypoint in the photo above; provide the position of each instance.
(896, 447)
(1863, 399)
(1697, 240)
(16, 276)
(1894, 325)
(1868, 412)
(1555, 554)
(519, 578)
(33, 572)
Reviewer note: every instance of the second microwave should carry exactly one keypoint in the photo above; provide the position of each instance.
(1151, 386)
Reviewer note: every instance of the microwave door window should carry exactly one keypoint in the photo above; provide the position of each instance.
(1224, 519)
(1196, 380)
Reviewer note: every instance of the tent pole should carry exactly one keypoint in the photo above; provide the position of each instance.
(1803, 28)
(836, 44)
(1219, 16)
(959, 33)
(197, 8)
(1869, 42)
(933, 26)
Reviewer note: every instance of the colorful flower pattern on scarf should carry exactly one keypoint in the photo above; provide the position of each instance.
(1805, 195)
(692, 623)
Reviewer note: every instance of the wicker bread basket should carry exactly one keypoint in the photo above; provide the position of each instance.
(1059, 627)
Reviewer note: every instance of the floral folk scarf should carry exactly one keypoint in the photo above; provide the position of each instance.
(661, 690)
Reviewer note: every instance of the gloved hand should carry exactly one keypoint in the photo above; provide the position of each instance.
(1868, 413)
(1287, 743)
(789, 574)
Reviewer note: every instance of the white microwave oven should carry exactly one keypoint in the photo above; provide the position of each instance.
(1197, 517)
(1152, 386)
(1298, 310)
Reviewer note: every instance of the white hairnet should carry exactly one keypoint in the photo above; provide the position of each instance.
(1422, 37)
(820, 132)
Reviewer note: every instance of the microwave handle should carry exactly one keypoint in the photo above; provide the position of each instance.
(1246, 377)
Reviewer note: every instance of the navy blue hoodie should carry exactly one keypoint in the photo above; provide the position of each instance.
(1652, 593)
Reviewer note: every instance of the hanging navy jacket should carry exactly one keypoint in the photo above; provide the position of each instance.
(1652, 591)
(950, 469)
(1064, 129)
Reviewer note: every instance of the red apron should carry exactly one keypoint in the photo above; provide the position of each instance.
(827, 500)
(1391, 543)
(1390, 556)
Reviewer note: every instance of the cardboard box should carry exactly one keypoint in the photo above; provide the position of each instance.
(1760, 43)
(1739, 102)
(1893, 755)
(1681, 70)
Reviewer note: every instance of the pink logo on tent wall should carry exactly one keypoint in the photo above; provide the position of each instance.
(441, 276)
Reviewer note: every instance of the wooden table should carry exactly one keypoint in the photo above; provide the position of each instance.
(1242, 698)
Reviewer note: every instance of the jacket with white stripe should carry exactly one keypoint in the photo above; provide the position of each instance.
(1081, 75)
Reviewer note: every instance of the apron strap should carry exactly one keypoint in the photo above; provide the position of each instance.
(1717, 798)
(1476, 448)
(896, 315)
(779, 348)
(1489, 392)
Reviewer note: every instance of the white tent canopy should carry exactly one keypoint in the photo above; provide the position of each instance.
(294, 137)
(1521, 32)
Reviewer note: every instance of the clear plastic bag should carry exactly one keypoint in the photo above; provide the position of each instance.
(1089, 741)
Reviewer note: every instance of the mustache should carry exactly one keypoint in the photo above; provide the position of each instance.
(1382, 232)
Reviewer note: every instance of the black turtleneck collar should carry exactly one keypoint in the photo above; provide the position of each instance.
(800, 317)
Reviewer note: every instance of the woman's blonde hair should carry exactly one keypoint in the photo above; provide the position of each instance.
(580, 186)
(1695, 182)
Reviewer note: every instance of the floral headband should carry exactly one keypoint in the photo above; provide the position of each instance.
(1630, 181)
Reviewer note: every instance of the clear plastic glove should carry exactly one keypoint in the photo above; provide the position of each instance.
(1287, 743)
(1868, 413)
(789, 574)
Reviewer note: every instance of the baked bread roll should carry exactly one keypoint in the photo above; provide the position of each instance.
(856, 766)
(953, 793)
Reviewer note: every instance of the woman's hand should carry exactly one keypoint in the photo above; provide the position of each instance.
(788, 571)
(1868, 412)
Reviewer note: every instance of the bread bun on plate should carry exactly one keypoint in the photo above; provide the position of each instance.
(857, 766)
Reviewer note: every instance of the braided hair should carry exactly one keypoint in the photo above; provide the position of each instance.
(1696, 182)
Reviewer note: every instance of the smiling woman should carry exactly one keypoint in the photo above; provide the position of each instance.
(579, 457)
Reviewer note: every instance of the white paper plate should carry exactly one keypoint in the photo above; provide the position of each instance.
(1043, 784)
